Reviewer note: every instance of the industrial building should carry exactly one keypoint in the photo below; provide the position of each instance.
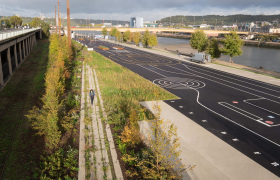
(136, 22)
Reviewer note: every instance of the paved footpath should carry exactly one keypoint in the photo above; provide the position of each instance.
(214, 158)
(100, 167)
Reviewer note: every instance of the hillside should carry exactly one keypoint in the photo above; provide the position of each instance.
(211, 19)
(73, 22)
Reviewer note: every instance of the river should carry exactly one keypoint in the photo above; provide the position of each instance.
(268, 58)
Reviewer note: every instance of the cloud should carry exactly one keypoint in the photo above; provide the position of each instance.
(149, 9)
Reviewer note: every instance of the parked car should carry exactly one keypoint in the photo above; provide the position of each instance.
(201, 58)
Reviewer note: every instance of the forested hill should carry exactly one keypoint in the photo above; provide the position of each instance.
(211, 19)
(73, 22)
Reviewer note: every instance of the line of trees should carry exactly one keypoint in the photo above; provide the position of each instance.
(147, 39)
(14, 21)
(230, 46)
(52, 118)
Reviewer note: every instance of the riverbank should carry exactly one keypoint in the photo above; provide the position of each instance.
(246, 42)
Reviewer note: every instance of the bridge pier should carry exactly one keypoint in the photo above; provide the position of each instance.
(9, 61)
(1, 73)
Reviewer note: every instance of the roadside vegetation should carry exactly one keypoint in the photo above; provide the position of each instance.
(231, 45)
(41, 105)
(122, 90)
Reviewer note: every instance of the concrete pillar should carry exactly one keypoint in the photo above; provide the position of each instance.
(35, 40)
(28, 45)
(15, 52)
(23, 48)
(9, 61)
(1, 73)
(27, 50)
(20, 53)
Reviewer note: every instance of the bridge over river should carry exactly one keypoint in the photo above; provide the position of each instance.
(208, 32)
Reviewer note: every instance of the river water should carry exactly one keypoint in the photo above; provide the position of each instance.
(268, 58)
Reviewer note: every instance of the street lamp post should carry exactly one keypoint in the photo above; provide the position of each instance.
(58, 19)
(216, 23)
(68, 23)
(3, 17)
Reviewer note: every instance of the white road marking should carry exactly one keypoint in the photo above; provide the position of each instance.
(235, 139)
(191, 113)
(257, 153)
(204, 120)
(222, 115)
(216, 82)
(224, 132)
(246, 101)
(275, 164)
(242, 112)
(180, 106)
(201, 69)
(234, 83)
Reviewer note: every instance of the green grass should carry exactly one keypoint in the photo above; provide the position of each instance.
(17, 97)
(123, 88)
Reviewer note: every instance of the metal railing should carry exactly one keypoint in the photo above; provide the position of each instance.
(7, 35)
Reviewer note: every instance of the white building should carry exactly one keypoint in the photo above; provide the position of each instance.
(274, 30)
(232, 26)
(107, 24)
(136, 22)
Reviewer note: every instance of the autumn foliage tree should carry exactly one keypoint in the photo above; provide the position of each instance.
(136, 38)
(51, 120)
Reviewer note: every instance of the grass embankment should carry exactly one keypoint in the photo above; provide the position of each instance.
(30, 156)
(121, 91)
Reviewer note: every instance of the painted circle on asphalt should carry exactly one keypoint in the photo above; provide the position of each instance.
(179, 83)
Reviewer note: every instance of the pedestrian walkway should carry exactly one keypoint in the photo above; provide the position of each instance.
(214, 158)
(93, 136)
(238, 72)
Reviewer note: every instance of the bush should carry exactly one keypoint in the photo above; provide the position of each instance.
(59, 165)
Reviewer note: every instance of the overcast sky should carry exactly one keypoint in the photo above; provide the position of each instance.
(148, 9)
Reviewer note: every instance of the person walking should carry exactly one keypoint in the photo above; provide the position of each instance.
(91, 95)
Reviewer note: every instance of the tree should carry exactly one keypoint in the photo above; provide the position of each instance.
(199, 40)
(164, 143)
(126, 35)
(15, 20)
(152, 41)
(113, 32)
(145, 38)
(118, 35)
(104, 31)
(213, 48)
(45, 29)
(7, 23)
(131, 37)
(136, 38)
(35, 22)
(232, 45)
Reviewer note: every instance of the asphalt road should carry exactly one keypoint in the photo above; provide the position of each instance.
(244, 113)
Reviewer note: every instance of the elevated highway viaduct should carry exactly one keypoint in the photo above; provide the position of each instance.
(14, 48)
